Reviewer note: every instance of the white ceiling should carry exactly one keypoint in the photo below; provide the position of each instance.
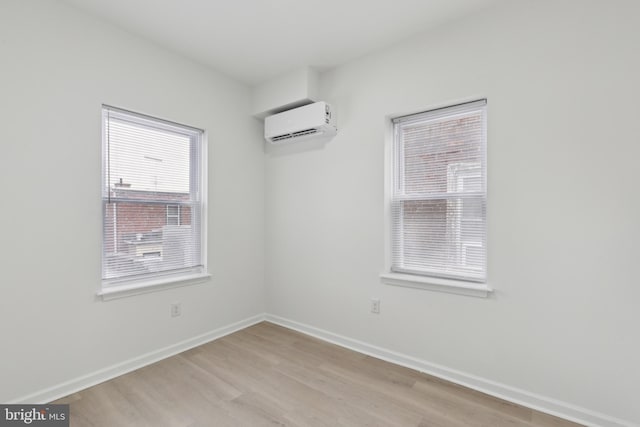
(255, 40)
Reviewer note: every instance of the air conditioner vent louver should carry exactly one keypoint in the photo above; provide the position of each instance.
(309, 121)
(294, 134)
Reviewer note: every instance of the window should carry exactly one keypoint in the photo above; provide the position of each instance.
(173, 214)
(153, 203)
(439, 197)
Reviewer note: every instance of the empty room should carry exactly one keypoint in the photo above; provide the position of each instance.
(338, 213)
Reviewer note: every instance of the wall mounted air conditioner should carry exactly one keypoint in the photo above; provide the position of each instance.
(309, 121)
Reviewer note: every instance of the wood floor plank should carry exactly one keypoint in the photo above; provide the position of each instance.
(267, 375)
(405, 396)
(354, 397)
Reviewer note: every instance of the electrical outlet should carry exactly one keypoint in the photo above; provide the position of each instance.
(375, 305)
(176, 309)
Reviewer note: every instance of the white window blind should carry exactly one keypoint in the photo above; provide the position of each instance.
(152, 199)
(439, 198)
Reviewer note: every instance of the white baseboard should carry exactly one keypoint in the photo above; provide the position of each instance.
(501, 391)
(110, 372)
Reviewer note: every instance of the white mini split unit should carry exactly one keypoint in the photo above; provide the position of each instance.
(309, 121)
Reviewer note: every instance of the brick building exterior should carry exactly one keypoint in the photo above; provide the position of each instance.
(136, 222)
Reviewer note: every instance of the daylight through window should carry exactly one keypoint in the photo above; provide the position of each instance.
(152, 199)
(439, 196)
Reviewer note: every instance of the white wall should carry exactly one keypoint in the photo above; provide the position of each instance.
(293, 89)
(58, 67)
(561, 78)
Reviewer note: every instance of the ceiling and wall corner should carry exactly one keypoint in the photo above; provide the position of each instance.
(255, 41)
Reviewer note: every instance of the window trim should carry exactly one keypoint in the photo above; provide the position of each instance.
(436, 284)
(109, 289)
(415, 281)
(174, 216)
(131, 288)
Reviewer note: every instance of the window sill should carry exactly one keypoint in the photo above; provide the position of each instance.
(126, 290)
(436, 284)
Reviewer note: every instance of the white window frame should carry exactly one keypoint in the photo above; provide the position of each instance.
(112, 289)
(173, 216)
(426, 282)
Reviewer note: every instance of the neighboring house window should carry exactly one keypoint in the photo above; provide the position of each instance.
(173, 214)
(439, 199)
(153, 173)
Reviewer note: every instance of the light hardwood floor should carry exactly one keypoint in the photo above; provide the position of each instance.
(270, 375)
